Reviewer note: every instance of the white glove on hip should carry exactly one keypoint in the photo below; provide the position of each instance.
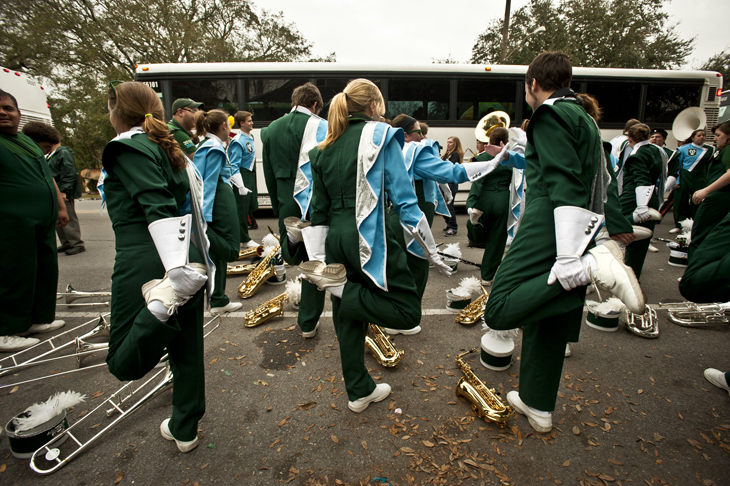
(185, 281)
(568, 270)
(474, 216)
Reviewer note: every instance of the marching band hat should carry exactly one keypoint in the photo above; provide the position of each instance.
(660, 131)
(186, 103)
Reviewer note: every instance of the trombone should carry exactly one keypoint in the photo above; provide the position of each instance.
(101, 330)
(117, 401)
(72, 295)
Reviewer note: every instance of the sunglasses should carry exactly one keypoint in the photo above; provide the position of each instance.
(415, 131)
(113, 84)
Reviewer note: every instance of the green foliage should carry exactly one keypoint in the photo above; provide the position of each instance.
(720, 63)
(78, 46)
(594, 33)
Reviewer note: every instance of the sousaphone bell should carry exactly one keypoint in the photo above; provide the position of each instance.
(488, 123)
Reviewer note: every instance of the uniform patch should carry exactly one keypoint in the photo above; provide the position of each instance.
(188, 143)
(692, 152)
(249, 147)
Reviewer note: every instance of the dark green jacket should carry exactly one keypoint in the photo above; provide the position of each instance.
(181, 137)
(63, 169)
(641, 169)
(282, 141)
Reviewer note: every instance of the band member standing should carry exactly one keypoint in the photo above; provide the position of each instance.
(490, 196)
(242, 154)
(355, 168)
(286, 151)
(713, 200)
(32, 206)
(540, 285)
(146, 183)
(182, 122)
(693, 158)
(219, 204)
(641, 171)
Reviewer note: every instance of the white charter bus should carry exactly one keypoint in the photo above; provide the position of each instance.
(450, 98)
(31, 96)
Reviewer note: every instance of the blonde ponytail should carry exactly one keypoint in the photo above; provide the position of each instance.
(357, 96)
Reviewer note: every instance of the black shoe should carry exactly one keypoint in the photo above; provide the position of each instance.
(64, 248)
(75, 250)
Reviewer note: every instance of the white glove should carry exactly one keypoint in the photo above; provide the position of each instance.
(448, 197)
(424, 237)
(474, 215)
(314, 241)
(568, 269)
(574, 229)
(643, 194)
(185, 281)
(671, 182)
(237, 181)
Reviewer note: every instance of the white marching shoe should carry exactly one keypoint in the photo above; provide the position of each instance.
(248, 244)
(610, 273)
(674, 231)
(540, 421)
(380, 393)
(230, 307)
(41, 328)
(161, 290)
(322, 275)
(294, 227)
(16, 343)
(312, 333)
(405, 332)
(182, 446)
(717, 378)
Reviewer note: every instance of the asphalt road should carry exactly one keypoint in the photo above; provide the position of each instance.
(630, 410)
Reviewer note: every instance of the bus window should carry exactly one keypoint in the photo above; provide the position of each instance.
(478, 97)
(329, 87)
(423, 99)
(215, 93)
(620, 101)
(665, 101)
(270, 98)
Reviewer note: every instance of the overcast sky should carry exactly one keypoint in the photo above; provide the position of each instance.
(391, 31)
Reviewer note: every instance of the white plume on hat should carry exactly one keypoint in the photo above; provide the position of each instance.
(294, 291)
(39, 413)
(453, 250)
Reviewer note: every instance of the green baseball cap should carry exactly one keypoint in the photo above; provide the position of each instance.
(186, 103)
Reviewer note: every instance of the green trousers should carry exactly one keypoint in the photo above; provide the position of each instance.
(494, 224)
(363, 302)
(223, 234)
(549, 315)
(684, 208)
(311, 305)
(707, 277)
(138, 340)
(636, 251)
(710, 212)
(245, 204)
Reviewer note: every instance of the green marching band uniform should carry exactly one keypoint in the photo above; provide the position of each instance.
(29, 206)
(63, 169)
(716, 205)
(707, 276)
(219, 211)
(381, 290)
(640, 173)
(282, 142)
(141, 187)
(242, 156)
(559, 173)
(490, 195)
(693, 161)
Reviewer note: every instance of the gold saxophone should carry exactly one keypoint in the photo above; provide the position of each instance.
(264, 312)
(483, 400)
(250, 252)
(263, 271)
(243, 269)
(473, 312)
(382, 347)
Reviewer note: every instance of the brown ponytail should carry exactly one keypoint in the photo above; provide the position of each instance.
(136, 104)
(209, 121)
(590, 105)
(639, 132)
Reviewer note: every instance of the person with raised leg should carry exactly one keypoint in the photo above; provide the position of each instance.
(540, 286)
(353, 253)
(148, 178)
